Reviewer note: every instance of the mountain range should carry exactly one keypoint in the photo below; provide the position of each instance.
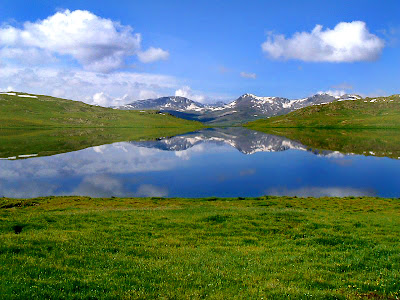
(246, 108)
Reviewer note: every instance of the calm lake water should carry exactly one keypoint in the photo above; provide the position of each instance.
(213, 162)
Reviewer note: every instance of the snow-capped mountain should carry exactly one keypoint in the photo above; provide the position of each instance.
(244, 140)
(246, 108)
(166, 103)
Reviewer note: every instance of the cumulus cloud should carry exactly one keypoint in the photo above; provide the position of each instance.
(248, 75)
(27, 56)
(97, 43)
(101, 99)
(71, 55)
(104, 99)
(347, 42)
(148, 94)
(187, 92)
(152, 55)
(7, 89)
(115, 88)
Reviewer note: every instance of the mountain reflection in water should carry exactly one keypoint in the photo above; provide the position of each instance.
(245, 140)
(202, 164)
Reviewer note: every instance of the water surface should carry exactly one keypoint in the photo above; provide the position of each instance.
(226, 162)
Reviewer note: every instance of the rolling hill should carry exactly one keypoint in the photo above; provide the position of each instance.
(379, 112)
(21, 110)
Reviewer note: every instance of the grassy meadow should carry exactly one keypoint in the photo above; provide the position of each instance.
(241, 248)
(50, 112)
(366, 113)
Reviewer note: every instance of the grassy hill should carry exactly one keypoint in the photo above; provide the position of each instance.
(254, 248)
(39, 111)
(380, 112)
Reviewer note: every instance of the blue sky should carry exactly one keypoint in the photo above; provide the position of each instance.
(206, 50)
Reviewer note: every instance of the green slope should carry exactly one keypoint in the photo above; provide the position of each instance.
(46, 111)
(380, 112)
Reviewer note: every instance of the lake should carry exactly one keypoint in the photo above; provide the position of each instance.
(221, 162)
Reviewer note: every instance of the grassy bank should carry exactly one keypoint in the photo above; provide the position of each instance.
(268, 247)
(380, 112)
(49, 112)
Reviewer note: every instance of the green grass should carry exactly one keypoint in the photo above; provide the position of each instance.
(50, 112)
(43, 142)
(384, 112)
(376, 142)
(260, 248)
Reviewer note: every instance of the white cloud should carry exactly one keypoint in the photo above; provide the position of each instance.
(8, 89)
(104, 99)
(97, 43)
(152, 55)
(101, 99)
(148, 94)
(334, 93)
(27, 56)
(71, 55)
(347, 42)
(248, 75)
(187, 92)
(115, 88)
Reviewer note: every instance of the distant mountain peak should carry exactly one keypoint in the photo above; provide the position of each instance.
(247, 107)
(247, 95)
(168, 103)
